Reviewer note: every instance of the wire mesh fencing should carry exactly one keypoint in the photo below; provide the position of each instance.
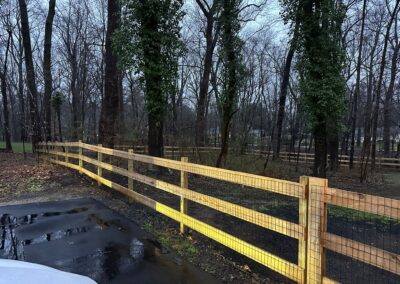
(324, 235)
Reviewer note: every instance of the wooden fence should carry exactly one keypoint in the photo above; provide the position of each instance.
(343, 159)
(302, 158)
(313, 195)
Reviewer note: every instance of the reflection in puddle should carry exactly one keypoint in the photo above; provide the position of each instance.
(12, 248)
(57, 235)
(137, 249)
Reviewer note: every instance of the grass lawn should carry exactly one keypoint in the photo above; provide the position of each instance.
(17, 146)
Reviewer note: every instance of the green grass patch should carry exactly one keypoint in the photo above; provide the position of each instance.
(18, 147)
(359, 216)
(182, 245)
(148, 226)
(275, 206)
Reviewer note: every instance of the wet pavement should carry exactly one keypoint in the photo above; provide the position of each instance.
(85, 237)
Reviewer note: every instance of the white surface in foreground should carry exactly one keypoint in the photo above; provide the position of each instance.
(19, 272)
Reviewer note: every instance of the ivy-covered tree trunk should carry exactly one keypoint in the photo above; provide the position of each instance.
(149, 41)
(320, 144)
(333, 148)
(320, 66)
(231, 58)
(156, 102)
(155, 99)
(155, 136)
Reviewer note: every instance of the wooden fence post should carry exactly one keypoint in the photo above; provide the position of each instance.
(99, 168)
(130, 169)
(184, 184)
(303, 216)
(316, 226)
(80, 157)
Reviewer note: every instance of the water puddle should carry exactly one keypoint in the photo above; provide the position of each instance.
(91, 240)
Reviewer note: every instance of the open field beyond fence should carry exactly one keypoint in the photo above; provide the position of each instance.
(314, 221)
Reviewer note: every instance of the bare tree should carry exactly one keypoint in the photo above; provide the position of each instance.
(3, 81)
(387, 107)
(357, 88)
(47, 68)
(30, 75)
(211, 35)
(393, 16)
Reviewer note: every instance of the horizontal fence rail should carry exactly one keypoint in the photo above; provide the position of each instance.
(343, 159)
(313, 196)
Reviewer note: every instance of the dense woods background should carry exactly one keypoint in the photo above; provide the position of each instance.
(295, 75)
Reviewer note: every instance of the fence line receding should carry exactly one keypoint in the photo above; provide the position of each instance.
(313, 196)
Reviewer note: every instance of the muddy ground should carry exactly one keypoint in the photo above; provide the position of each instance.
(23, 180)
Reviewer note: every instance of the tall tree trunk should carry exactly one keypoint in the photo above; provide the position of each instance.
(276, 141)
(333, 140)
(47, 69)
(225, 129)
(59, 124)
(357, 89)
(366, 148)
(3, 81)
(387, 105)
(7, 134)
(30, 76)
(201, 123)
(380, 83)
(230, 49)
(155, 135)
(359, 134)
(320, 163)
(282, 100)
(21, 99)
(108, 125)
(156, 102)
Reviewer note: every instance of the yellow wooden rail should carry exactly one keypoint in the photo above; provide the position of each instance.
(269, 222)
(313, 195)
(270, 184)
(363, 202)
(362, 252)
(271, 261)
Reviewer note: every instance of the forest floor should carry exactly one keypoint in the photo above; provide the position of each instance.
(24, 181)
